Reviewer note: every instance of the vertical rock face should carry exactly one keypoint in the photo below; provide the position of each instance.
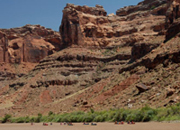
(173, 11)
(28, 49)
(3, 47)
(92, 27)
(172, 19)
(30, 43)
(79, 22)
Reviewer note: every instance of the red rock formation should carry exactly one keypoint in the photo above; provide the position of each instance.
(30, 43)
(172, 19)
(76, 20)
(173, 11)
(152, 6)
(141, 49)
(86, 28)
(3, 47)
(105, 59)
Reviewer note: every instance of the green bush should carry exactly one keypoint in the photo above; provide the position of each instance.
(92, 110)
(144, 114)
(175, 110)
(50, 113)
(99, 118)
(124, 115)
(20, 120)
(153, 7)
(38, 118)
(6, 118)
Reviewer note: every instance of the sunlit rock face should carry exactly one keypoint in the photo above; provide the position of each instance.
(29, 43)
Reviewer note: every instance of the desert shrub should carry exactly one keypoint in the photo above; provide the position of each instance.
(124, 115)
(66, 118)
(175, 110)
(50, 113)
(58, 118)
(80, 118)
(99, 118)
(134, 115)
(88, 118)
(32, 119)
(144, 114)
(74, 118)
(117, 116)
(153, 7)
(20, 120)
(109, 115)
(50, 118)
(38, 118)
(27, 119)
(6, 118)
(148, 115)
(92, 110)
(131, 117)
(161, 114)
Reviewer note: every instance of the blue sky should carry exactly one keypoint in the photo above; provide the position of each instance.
(48, 13)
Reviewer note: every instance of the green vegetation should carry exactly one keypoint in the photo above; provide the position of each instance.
(109, 52)
(153, 7)
(144, 114)
(6, 118)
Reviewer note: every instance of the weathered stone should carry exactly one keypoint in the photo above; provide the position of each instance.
(142, 88)
(146, 5)
(141, 49)
(170, 92)
(30, 43)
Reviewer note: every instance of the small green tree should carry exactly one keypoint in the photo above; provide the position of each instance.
(92, 110)
(38, 119)
(50, 113)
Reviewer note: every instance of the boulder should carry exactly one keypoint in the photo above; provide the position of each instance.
(170, 92)
(142, 88)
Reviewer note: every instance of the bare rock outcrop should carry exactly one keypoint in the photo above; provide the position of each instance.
(146, 5)
(142, 88)
(29, 43)
(173, 11)
(79, 22)
(172, 19)
(141, 49)
(83, 26)
(3, 47)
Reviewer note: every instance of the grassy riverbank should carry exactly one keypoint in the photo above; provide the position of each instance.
(144, 114)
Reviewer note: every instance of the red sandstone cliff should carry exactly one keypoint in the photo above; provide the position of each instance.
(30, 43)
(22, 48)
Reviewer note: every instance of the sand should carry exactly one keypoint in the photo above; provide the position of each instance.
(100, 126)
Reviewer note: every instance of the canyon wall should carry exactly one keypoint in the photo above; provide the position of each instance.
(30, 43)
